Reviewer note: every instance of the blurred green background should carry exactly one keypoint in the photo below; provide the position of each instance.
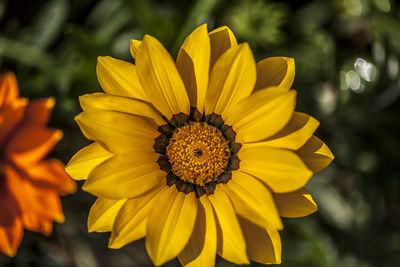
(347, 76)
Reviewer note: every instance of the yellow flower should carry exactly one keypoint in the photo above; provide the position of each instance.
(199, 156)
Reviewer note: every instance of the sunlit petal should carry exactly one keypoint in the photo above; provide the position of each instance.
(193, 64)
(160, 78)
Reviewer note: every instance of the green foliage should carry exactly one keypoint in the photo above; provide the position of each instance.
(347, 76)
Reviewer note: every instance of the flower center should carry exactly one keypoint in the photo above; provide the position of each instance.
(198, 153)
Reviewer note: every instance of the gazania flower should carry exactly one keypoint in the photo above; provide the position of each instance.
(29, 184)
(201, 156)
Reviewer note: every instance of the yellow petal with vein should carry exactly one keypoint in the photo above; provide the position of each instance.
(231, 244)
(260, 115)
(202, 246)
(105, 127)
(118, 77)
(295, 134)
(316, 154)
(280, 169)
(295, 204)
(160, 78)
(193, 64)
(221, 39)
(263, 245)
(125, 175)
(121, 104)
(275, 71)
(232, 79)
(251, 104)
(170, 225)
(131, 222)
(102, 214)
(85, 160)
(253, 201)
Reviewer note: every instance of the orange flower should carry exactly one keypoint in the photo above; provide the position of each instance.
(29, 184)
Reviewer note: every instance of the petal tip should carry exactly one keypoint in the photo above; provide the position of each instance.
(134, 46)
(23, 101)
(219, 29)
(204, 25)
(290, 60)
(69, 171)
(148, 37)
(71, 187)
(113, 241)
(90, 227)
(60, 218)
(86, 186)
(58, 134)
(50, 102)
(112, 246)
(78, 117)
(11, 252)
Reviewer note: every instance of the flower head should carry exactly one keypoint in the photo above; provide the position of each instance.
(201, 156)
(29, 184)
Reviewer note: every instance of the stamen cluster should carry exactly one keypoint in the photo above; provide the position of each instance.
(197, 152)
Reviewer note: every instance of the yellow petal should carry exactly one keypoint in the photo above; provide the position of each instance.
(221, 39)
(106, 128)
(298, 130)
(261, 115)
(193, 64)
(170, 225)
(121, 104)
(134, 45)
(120, 78)
(316, 155)
(263, 245)
(125, 175)
(231, 244)
(275, 71)
(84, 161)
(102, 214)
(252, 103)
(232, 79)
(202, 246)
(252, 200)
(280, 169)
(160, 78)
(295, 204)
(136, 233)
(131, 222)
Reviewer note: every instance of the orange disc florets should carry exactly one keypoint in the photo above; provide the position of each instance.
(198, 153)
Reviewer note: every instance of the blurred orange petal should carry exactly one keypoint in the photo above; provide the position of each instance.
(50, 174)
(32, 144)
(11, 230)
(10, 237)
(10, 116)
(34, 199)
(8, 89)
(30, 183)
(38, 111)
(35, 223)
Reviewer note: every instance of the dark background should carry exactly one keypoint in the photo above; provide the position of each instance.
(347, 76)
